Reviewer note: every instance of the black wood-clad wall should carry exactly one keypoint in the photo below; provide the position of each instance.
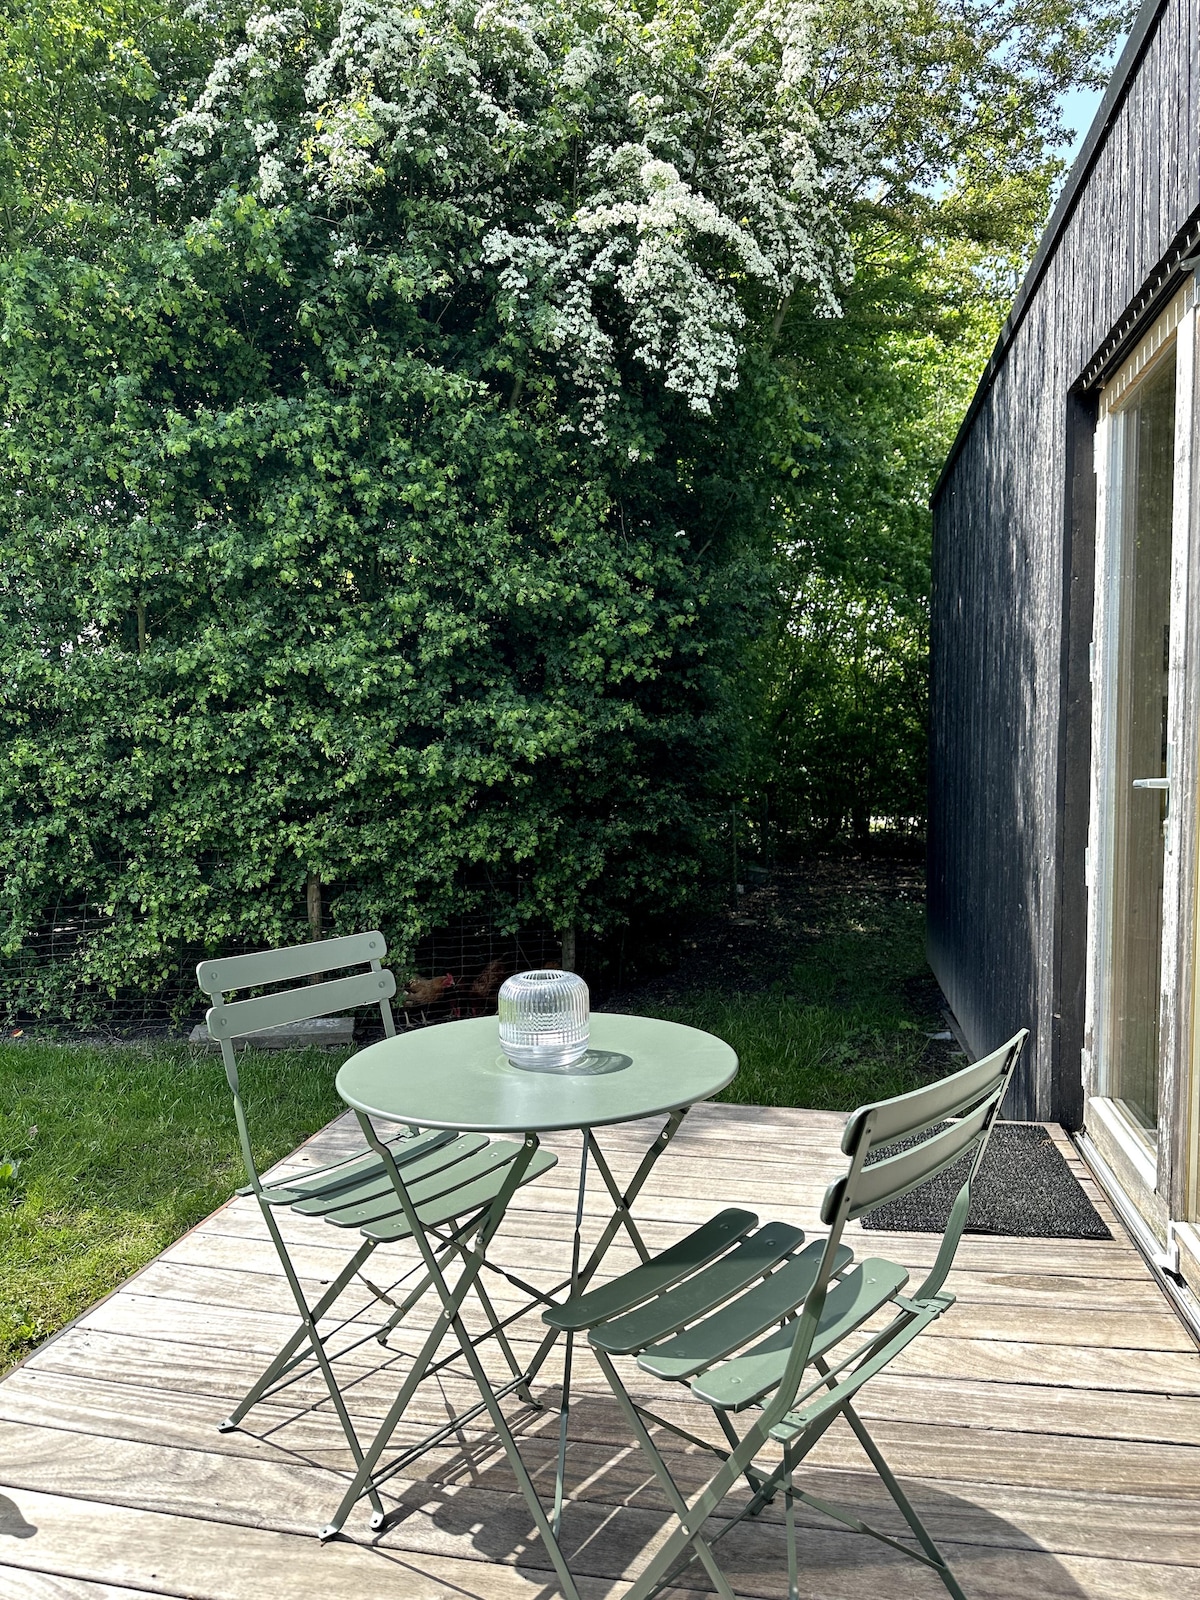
(1014, 528)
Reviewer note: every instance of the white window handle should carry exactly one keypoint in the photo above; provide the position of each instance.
(1152, 783)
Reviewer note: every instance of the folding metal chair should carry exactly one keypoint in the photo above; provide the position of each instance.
(693, 1315)
(452, 1173)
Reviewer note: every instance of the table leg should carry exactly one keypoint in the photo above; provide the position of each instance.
(452, 1300)
(435, 1251)
(565, 1405)
(496, 1331)
(619, 1217)
(580, 1279)
(620, 1201)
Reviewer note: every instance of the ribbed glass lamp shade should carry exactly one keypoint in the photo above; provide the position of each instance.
(544, 1019)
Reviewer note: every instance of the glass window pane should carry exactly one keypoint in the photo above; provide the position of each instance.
(1146, 466)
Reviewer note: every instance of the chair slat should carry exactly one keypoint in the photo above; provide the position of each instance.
(297, 1005)
(445, 1181)
(293, 961)
(471, 1197)
(923, 1108)
(343, 1175)
(887, 1180)
(744, 1380)
(438, 1155)
(705, 1244)
(718, 1336)
(708, 1288)
(348, 1207)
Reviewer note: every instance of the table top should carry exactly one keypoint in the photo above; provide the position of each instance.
(455, 1075)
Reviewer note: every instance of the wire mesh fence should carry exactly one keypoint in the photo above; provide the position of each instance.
(457, 971)
(46, 985)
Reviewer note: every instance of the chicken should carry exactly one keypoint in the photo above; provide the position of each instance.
(426, 991)
(483, 989)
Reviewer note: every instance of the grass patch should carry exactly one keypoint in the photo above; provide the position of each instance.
(107, 1154)
(842, 1029)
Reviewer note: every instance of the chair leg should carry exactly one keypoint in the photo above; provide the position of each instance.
(423, 1283)
(730, 1433)
(308, 1329)
(457, 1245)
(366, 1464)
(284, 1359)
(449, 1319)
(691, 1518)
(789, 1516)
(497, 1332)
(936, 1558)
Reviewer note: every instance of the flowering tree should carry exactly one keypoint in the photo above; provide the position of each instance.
(619, 192)
(383, 489)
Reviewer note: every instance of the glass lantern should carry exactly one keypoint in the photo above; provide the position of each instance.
(544, 1020)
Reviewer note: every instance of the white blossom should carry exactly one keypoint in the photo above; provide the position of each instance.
(626, 181)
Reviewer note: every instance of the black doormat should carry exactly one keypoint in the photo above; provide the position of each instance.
(1024, 1189)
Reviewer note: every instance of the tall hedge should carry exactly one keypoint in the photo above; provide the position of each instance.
(382, 485)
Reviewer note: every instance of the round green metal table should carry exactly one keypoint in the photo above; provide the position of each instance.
(455, 1075)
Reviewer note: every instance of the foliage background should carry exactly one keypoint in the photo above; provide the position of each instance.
(433, 502)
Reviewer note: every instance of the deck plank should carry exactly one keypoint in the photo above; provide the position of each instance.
(291, 1496)
(18, 1585)
(107, 1409)
(1048, 1429)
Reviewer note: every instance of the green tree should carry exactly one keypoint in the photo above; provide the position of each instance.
(967, 164)
(400, 410)
(81, 87)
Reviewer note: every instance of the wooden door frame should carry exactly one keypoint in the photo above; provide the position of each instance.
(1179, 1169)
(1161, 1183)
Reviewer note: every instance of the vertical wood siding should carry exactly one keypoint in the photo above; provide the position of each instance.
(1001, 768)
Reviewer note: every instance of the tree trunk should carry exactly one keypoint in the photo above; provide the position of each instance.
(314, 916)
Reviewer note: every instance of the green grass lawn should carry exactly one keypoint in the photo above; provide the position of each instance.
(108, 1154)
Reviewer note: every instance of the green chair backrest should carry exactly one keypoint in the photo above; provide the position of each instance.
(229, 973)
(227, 1021)
(972, 1096)
(969, 1102)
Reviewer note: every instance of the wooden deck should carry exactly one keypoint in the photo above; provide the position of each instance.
(1048, 1428)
